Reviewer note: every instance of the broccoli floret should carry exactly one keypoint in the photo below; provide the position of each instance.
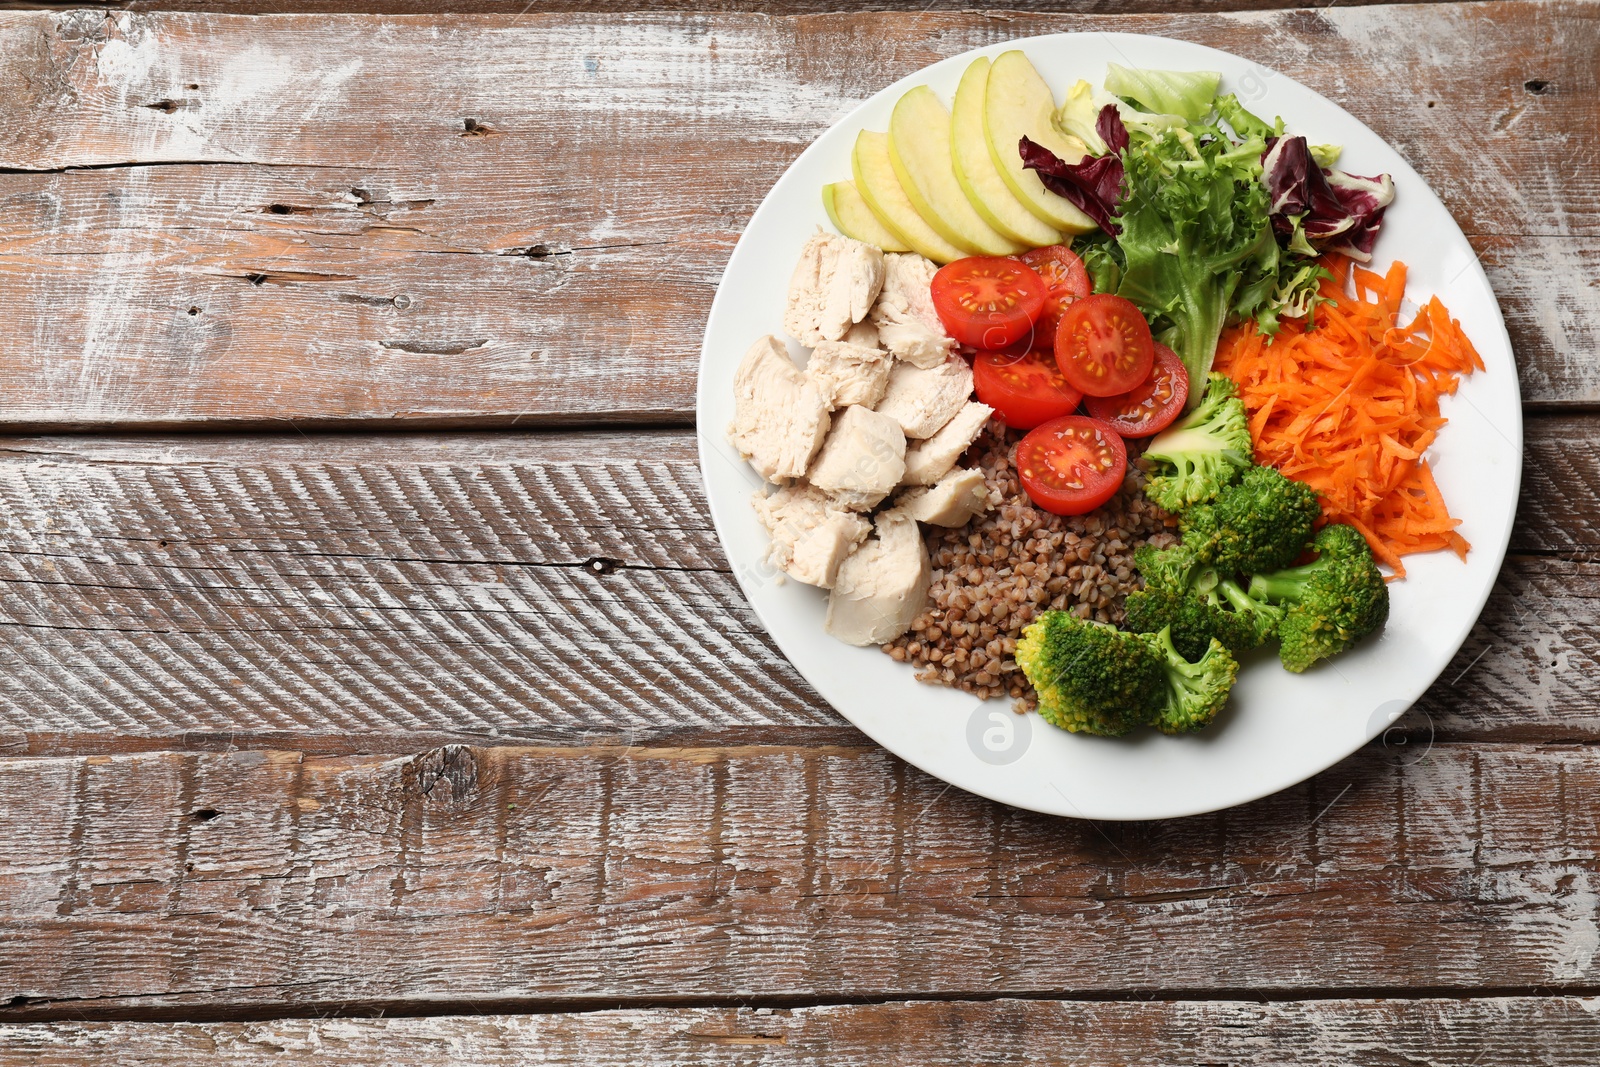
(1194, 618)
(1166, 568)
(1195, 692)
(1183, 593)
(1262, 618)
(1328, 604)
(1090, 677)
(1205, 451)
(1261, 523)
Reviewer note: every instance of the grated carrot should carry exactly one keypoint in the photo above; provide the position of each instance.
(1350, 406)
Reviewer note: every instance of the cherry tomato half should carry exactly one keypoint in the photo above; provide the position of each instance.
(1024, 386)
(987, 301)
(1065, 278)
(1103, 345)
(1071, 465)
(1148, 408)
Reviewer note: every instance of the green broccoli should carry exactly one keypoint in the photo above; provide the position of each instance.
(1203, 452)
(1094, 678)
(1261, 523)
(1262, 618)
(1166, 568)
(1182, 592)
(1196, 692)
(1194, 618)
(1328, 604)
(1090, 677)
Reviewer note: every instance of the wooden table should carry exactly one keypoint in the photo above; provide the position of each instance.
(373, 687)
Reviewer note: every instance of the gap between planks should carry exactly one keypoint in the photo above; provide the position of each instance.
(1551, 1031)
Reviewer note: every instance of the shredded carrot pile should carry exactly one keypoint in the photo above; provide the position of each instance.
(1349, 406)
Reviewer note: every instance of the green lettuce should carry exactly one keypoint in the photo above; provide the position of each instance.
(1189, 93)
(1080, 112)
(1196, 238)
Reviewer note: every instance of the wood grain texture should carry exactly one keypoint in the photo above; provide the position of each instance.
(289, 223)
(550, 588)
(593, 7)
(380, 584)
(1549, 1031)
(463, 877)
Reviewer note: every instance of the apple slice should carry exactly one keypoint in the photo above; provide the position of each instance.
(852, 217)
(878, 186)
(919, 150)
(1018, 104)
(976, 172)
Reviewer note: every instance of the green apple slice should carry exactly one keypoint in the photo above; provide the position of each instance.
(852, 217)
(1018, 104)
(976, 171)
(878, 186)
(919, 151)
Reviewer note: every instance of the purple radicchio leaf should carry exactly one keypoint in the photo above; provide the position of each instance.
(1365, 199)
(1093, 184)
(1330, 204)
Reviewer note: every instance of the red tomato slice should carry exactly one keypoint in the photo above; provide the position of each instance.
(1071, 465)
(987, 301)
(1149, 408)
(1065, 278)
(1024, 386)
(1103, 345)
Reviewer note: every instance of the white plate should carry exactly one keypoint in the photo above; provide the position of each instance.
(1280, 728)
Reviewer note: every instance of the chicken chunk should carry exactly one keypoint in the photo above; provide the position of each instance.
(780, 416)
(811, 533)
(863, 333)
(849, 374)
(833, 287)
(881, 588)
(907, 324)
(863, 457)
(928, 461)
(922, 400)
(954, 500)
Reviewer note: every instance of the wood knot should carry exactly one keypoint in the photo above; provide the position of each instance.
(447, 775)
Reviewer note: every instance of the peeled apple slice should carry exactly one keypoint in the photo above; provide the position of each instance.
(919, 151)
(878, 186)
(976, 172)
(852, 217)
(1019, 104)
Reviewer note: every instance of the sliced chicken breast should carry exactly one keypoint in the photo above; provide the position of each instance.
(881, 589)
(834, 286)
(863, 456)
(780, 416)
(863, 333)
(811, 533)
(928, 461)
(922, 400)
(849, 373)
(954, 500)
(907, 324)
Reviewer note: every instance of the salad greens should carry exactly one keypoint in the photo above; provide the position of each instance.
(1209, 215)
(1189, 94)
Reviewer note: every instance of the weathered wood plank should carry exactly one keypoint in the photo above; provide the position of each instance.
(352, 251)
(214, 591)
(592, 7)
(1549, 1031)
(171, 882)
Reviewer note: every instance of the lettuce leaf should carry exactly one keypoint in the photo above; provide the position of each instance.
(1079, 115)
(1197, 237)
(1191, 94)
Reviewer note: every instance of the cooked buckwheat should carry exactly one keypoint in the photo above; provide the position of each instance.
(995, 575)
